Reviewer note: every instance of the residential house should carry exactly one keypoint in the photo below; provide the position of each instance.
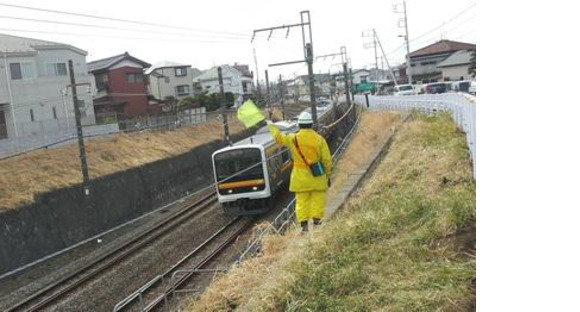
(455, 67)
(121, 87)
(425, 60)
(167, 79)
(361, 76)
(300, 87)
(35, 94)
(235, 80)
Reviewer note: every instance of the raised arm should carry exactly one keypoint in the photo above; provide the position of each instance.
(279, 136)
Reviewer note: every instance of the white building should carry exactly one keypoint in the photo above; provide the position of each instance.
(456, 66)
(361, 76)
(235, 80)
(167, 79)
(35, 99)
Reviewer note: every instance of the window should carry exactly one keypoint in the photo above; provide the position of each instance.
(135, 78)
(19, 71)
(180, 71)
(54, 112)
(31, 114)
(56, 69)
(428, 63)
(182, 90)
(285, 156)
(166, 79)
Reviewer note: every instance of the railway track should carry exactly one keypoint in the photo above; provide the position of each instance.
(155, 294)
(50, 294)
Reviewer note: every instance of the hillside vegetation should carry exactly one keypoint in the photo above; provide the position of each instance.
(48, 169)
(404, 242)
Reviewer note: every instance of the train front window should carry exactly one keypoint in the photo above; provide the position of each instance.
(232, 162)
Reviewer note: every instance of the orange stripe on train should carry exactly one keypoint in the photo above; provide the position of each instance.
(237, 184)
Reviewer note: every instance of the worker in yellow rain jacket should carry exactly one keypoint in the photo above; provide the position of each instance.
(309, 150)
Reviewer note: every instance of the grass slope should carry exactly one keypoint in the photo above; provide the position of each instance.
(394, 247)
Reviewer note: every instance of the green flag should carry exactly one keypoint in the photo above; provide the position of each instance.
(249, 114)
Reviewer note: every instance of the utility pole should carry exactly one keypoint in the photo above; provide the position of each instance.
(305, 20)
(407, 40)
(376, 63)
(406, 36)
(351, 81)
(310, 61)
(267, 88)
(257, 73)
(80, 138)
(281, 89)
(385, 57)
(223, 100)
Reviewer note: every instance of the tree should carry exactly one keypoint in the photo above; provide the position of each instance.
(471, 68)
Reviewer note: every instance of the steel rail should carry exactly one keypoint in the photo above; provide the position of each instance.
(214, 253)
(139, 241)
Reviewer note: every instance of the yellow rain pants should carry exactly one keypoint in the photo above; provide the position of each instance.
(310, 205)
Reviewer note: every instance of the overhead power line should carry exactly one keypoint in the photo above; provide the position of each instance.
(141, 23)
(447, 21)
(119, 37)
(115, 28)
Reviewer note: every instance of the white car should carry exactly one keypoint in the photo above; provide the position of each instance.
(405, 89)
(472, 88)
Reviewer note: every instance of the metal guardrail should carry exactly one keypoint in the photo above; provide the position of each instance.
(460, 105)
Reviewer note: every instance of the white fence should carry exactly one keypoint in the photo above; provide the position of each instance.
(460, 105)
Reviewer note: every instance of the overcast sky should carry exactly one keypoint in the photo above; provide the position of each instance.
(211, 33)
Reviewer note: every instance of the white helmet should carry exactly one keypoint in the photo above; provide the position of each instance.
(305, 118)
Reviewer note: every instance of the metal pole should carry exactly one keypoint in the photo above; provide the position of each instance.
(223, 100)
(386, 60)
(310, 61)
(9, 85)
(257, 72)
(407, 40)
(267, 89)
(376, 62)
(351, 80)
(281, 87)
(65, 110)
(81, 141)
(346, 85)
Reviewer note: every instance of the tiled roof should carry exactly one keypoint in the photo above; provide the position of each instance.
(442, 47)
(14, 44)
(110, 61)
(458, 58)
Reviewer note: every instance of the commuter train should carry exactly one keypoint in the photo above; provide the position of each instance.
(248, 173)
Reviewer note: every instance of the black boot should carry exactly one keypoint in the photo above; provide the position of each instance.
(304, 226)
(317, 221)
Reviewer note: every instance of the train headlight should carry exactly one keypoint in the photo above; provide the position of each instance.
(230, 191)
(255, 188)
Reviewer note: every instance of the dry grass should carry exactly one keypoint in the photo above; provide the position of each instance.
(375, 126)
(378, 254)
(49, 169)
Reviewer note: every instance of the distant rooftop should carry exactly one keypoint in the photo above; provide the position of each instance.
(442, 47)
(18, 45)
(164, 64)
(458, 58)
(110, 61)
